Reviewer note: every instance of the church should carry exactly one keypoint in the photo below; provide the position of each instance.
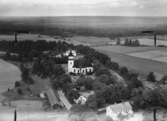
(78, 65)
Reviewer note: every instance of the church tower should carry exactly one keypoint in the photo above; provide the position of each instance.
(70, 62)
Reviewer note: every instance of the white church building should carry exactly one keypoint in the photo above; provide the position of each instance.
(75, 67)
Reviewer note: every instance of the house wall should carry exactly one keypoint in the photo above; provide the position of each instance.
(82, 70)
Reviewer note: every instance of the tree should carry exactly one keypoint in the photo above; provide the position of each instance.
(19, 91)
(99, 86)
(106, 79)
(24, 72)
(58, 70)
(25, 75)
(164, 80)
(62, 82)
(17, 84)
(114, 66)
(126, 42)
(151, 77)
(101, 102)
(116, 93)
(146, 98)
(133, 82)
(102, 71)
(124, 71)
(72, 94)
(92, 102)
(137, 43)
(118, 41)
(87, 82)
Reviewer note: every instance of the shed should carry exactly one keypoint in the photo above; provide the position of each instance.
(53, 100)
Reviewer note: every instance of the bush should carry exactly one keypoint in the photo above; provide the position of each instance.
(105, 79)
(114, 66)
(134, 83)
(145, 98)
(62, 82)
(124, 71)
(91, 102)
(72, 94)
(87, 82)
(102, 71)
(19, 91)
(17, 84)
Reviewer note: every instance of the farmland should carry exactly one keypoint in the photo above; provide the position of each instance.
(134, 58)
(22, 37)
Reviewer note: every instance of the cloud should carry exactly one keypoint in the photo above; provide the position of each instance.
(82, 7)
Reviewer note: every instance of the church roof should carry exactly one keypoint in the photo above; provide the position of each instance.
(82, 63)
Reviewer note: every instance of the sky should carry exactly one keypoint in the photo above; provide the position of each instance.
(83, 7)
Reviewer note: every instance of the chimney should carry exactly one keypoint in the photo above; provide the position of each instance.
(155, 40)
(15, 34)
(15, 115)
(154, 114)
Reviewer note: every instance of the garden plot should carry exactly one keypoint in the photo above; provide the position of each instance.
(156, 55)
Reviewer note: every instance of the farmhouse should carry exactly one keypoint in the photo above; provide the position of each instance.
(79, 65)
(119, 111)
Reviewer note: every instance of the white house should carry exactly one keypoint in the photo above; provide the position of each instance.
(81, 100)
(118, 112)
(76, 67)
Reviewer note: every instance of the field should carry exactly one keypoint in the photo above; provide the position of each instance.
(90, 40)
(139, 59)
(149, 40)
(30, 36)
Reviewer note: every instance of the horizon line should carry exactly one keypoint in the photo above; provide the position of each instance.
(6, 16)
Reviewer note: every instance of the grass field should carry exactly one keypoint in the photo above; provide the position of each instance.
(123, 56)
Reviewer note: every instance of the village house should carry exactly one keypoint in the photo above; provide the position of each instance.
(78, 65)
(83, 97)
(119, 112)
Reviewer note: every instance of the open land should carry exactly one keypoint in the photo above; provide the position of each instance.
(28, 36)
(153, 60)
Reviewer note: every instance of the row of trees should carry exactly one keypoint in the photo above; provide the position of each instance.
(146, 98)
(129, 42)
(27, 50)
